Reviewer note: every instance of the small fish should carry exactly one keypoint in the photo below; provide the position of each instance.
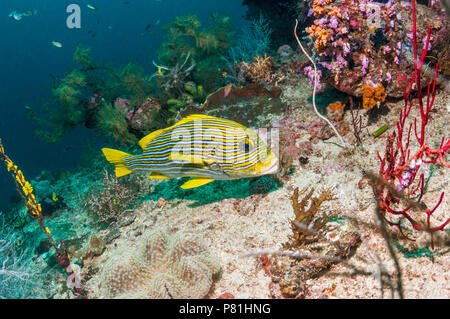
(200, 146)
(54, 197)
(29, 13)
(90, 6)
(16, 15)
(157, 22)
(160, 71)
(56, 44)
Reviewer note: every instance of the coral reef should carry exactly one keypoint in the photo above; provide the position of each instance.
(400, 165)
(249, 105)
(360, 41)
(86, 96)
(186, 37)
(253, 40)
(373, 94)
(34, 210)
(303, 225)
(278, 13)
(19, 276)
(260, 71)
(162, 266)
(108, 203)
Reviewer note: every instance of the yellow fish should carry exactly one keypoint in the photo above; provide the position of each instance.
(200, 146)
(54, 197)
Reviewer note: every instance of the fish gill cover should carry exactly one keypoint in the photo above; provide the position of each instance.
(244, 149)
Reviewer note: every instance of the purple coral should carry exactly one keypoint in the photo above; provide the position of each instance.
(309, 72)
(334, 22)
(365, 63)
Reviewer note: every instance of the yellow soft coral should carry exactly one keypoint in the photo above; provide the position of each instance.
(22, 184)
(373, 94)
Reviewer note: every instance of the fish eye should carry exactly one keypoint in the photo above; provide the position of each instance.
(245, 145)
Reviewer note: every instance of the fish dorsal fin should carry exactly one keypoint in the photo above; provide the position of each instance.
(157, 176)
(194, 117)
(196, 182)
(148, 138)
(143, 142)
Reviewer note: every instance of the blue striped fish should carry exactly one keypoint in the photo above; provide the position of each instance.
(204, 147)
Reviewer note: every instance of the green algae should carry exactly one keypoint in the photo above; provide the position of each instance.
(414, 252)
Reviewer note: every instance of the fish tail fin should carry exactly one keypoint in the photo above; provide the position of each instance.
(116, 157)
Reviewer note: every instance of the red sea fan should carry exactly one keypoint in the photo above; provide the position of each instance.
(400, 167)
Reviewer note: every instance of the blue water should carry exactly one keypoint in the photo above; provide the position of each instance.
(29, 63)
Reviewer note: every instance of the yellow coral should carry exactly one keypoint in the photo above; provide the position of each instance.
(30, 200)
(373, 94)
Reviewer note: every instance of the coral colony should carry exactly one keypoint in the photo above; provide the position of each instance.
(303, 155)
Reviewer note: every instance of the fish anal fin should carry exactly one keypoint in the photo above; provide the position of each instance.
(122, 171)
(117, 157)
(196, 182)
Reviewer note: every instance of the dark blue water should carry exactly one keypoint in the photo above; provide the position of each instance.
(28, 62)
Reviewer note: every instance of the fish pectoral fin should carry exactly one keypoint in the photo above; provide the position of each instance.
(196, 182)
(186, 158)
(157, 176)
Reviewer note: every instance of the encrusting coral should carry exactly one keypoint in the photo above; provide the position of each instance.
(162, 266)
(373, 94)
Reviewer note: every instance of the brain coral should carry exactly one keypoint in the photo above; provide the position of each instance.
(162, 266)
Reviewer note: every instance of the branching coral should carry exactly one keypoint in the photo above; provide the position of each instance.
(108, 204)
(68, 95)
(112, 122)
(34, 210)
(254, 40)
(400, 165)
(186, 36)
(173, 79)
(161, 266)
(84, 96)
(306, 221)
(18, 276)
(260, 70)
